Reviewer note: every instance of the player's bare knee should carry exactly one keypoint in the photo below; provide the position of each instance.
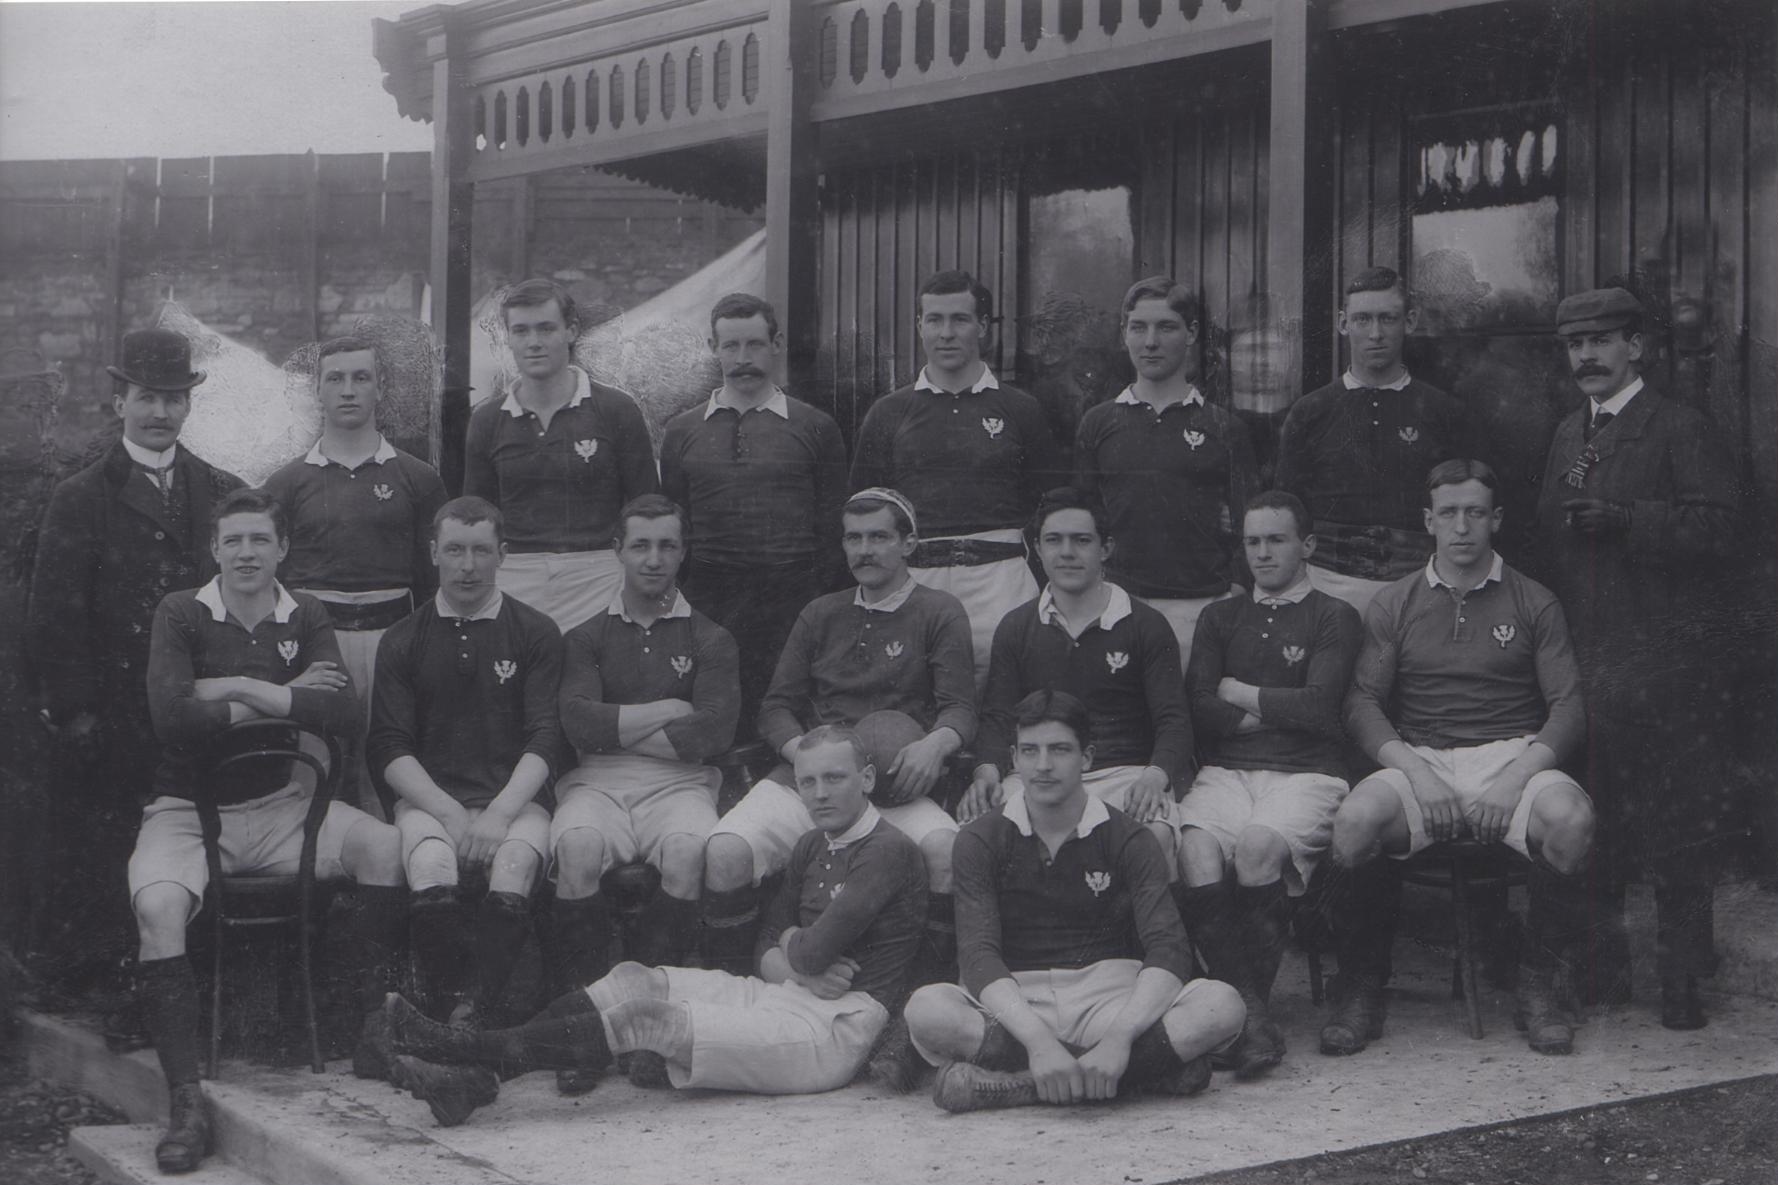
(682, 865)
(1200, 857)
(1260, 853)
(516, 868)
(1206, 1019)
(943, 1023)
(371, 854)
(580, 861)
(728, 863)
(1562, 818)
(162, 912)
(936, 848)
(1359, 824)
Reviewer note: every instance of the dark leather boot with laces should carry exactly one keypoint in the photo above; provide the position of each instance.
(188, 1138)
(964, 1086)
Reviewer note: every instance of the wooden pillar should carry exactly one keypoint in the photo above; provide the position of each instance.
(793, 226)
(1299, 214)
(453, 199)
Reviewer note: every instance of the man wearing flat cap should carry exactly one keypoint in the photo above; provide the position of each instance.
(1636, 517)
(117, 537)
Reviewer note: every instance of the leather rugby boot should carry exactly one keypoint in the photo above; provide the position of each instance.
(188, 1138)
(964, 1086)
(452, 1092)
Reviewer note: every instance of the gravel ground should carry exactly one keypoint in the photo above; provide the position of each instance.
(34, 1120)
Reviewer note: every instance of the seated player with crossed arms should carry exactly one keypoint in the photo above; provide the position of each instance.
(833, 962)
(1076, 973)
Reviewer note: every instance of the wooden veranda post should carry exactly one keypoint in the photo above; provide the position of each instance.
(792, 198)
(1299, 211)
(453, 200)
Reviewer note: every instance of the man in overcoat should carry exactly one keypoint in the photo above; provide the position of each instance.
(1636, 519)
(116, 537)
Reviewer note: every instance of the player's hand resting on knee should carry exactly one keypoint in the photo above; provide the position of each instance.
(1103, 1066)
(915, 770)
(1490, 814)
(1148, 796)
(984, 794)
(482, 838)
(1438, 804)
(1058, 1076)
(833, 982)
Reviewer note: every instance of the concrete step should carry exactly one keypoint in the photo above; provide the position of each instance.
(123, 1154)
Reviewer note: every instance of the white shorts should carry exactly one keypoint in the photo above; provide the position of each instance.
(569, 586)
(1470, 772)
(263, 837)
(988, 592)
(1078, 1005)
(1298, 807)
(1356, 591)
(530, 828)
(634, 803)
(1182, 614)
(772, 817)
(1111, 786)
(766, 1038)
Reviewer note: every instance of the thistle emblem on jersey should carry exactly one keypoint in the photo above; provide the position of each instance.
(1294, 655)
(1408, 434)
(505, 668)
(893, 649)
(682, 665)
(1504, 634)
(584, 449)
(993, 426)
(383, 492)
(287, 650)
(1098, 882)
(1117, 660)
(1194, 438)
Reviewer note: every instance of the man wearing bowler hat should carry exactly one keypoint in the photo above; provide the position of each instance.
(117, 537)
(1636, 518)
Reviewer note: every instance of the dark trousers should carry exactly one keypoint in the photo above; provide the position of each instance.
(758, 606)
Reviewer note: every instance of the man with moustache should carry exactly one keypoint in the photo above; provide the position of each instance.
(972, 453)
(464, 731)
(360, 513)
(559, 456)
(1637, 519)
(831, 969)
(116, 537)
(761, 477)
(1172, 470)
(889, 645)
(1076, 979)
(1357, 450)
(649, 695)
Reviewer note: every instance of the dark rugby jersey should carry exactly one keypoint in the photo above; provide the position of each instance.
(560, 488)
(353, 530)
(865, 901)
(971, 462)
(1360, 456)
(612, 661)
(1103, 896)
(195, 638)
(1126, 671)
(1451, 672)
(760, 488)
(468, 698)
(843, 662)
(1300, 657)
(1174, 485)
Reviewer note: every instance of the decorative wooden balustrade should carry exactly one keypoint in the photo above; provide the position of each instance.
(877, 55)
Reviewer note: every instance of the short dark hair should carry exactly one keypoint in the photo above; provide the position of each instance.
(836, 734)
(530, 293)
(351, 343)
(1048, 705)
(1179, 298)
(250, 501)
(470, 510)
(1458, 470)
(1379, 279)
(949, 283)
(864, 505)
(1069, 498)
(738, 306)
(1286, 501)
(649, 506)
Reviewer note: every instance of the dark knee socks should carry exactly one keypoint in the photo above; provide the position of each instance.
(582, 940)
(169, 993)
(500, 926)
(436, 927)
(569, 1034)
(731, 925)
(1259, 929)
(668, 928)
(1206, 910)
(373, 941)
(936, 959)
(1152, 1056)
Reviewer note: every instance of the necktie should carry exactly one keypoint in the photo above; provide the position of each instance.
(162, 479)
(1600, 419)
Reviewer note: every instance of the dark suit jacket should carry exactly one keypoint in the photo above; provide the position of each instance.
(108, 552)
